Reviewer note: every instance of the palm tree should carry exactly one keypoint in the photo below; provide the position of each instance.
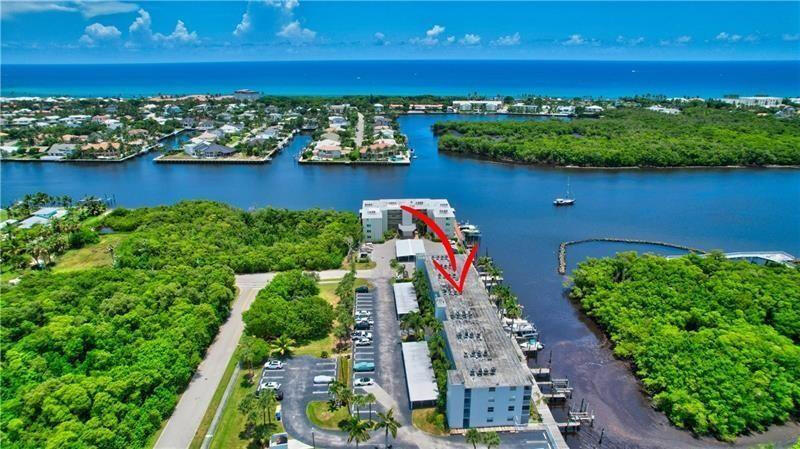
(369, 399)
(414, 323)
(247, 354)
(474, 438)
(388, 424)
(357, 429)
(284, 346)
(491, 439)
(266, 405)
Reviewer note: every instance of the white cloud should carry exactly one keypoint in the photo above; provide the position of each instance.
(296, 33)
(141, 24)
(507, 41)
(470, 39)
(141, 32)
(575, 39)
(751, 38)
(97, 32)
(288, 5)
(791, 37)
(450, 39)
(244, 26)
(680, 40)
(435, 31)
(91, 9)
(431, 36)
(725, 37)
(380, 39)
(179, 35)
(622, 40)
(88, 9)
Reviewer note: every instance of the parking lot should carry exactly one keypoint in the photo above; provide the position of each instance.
(364, 348)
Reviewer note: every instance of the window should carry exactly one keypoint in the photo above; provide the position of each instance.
(510, 408)
(490, 420)
(491, 389)
(490, 410)
(513, 388)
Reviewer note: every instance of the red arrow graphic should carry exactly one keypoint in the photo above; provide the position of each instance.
(451, 255)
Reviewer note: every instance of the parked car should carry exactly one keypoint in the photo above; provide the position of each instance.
(362, 289)
(270, 385)
(364, 366)
(363, 342)
(361, 334)
(363, 313)
(362, 325)
(363, 382)
(323, 379)
(273, 364)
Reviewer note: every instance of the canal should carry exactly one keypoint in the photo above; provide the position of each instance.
(729, 209)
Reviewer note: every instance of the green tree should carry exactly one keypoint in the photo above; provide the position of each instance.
(357, 429)
(473, 437)
(491, 439)
(389, 424)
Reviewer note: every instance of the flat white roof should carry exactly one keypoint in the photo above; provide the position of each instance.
(405, 298)
(419, 372)
(408, 248)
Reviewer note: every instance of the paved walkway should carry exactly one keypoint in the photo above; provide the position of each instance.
(194, 402)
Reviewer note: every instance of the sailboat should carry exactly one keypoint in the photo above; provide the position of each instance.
(567, 201)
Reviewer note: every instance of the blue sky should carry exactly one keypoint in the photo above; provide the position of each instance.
(162, 31)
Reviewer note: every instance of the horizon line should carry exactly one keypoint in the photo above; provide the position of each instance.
(403, 60)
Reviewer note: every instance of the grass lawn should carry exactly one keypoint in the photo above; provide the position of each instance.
(343, 373)
(197, 441)
(424, 420)
(360, 265)
(320, 416)
(232, 422)
(3, 215)
(91, 256)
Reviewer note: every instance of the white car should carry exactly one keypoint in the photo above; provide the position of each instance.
(361, 334)
(363, 342)
(364, 313)
(363, 382)
(273, 364)
(270, 385)
(323, 379)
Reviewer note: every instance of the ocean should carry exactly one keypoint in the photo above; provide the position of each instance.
(610, 79)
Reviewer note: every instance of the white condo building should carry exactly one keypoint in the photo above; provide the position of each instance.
(379, 216)
(490, 385)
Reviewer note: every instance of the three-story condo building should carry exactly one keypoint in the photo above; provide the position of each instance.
(379, 216)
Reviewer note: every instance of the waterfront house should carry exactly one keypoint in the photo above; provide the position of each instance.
(378, 107)
(593, 109)
(327, 149)
(187, 122)
(380, 120)
(103, 150)
(337, 120)
(208, 150)
(59, 151)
